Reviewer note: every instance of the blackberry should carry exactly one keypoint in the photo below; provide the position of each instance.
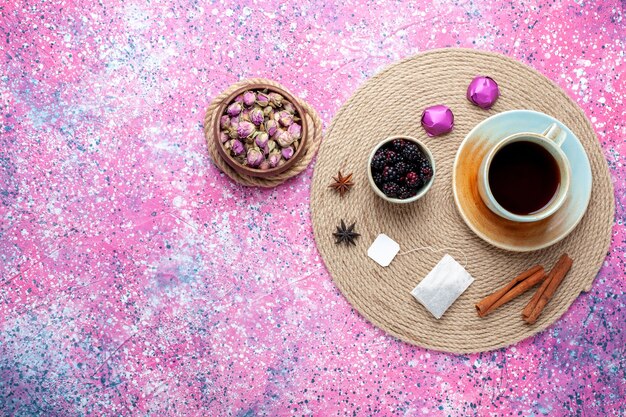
(412, 153)
(391, 189)
(414, 167)
(405, 193)
(398, 145)
(427, 172)
(412, 180)
(378, 161)
(390, 174)
(402, 168)
(378, 178)
(392, 157)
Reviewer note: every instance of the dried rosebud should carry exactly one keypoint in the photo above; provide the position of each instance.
(224, 122)
(261, 139)
(269, 112)
(232, 133)
(234, 109)
(224, 137)
(274, 158)
(245, 115)
(271, 126)
(283, 138)
(262, 99)
(237, 147)
(275, 99)
(265, 165)
(287, 153)
(271, 145)
(295, 130)
(287, 106)
(483, 92)
(256, 116)
(239, 98)
(245, 129)
(228, 145)
(285, 118)
(249, 98)
(254, 157)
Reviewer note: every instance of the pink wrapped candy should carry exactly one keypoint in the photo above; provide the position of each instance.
(483, 92)
(437, 120)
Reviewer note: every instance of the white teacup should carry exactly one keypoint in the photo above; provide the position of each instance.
(550, 140)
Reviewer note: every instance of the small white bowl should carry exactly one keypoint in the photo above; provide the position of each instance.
(422, 191)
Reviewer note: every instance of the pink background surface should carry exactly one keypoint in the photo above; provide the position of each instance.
(136, 279)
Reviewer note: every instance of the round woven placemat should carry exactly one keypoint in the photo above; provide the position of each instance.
(391, 103)
(313, 143)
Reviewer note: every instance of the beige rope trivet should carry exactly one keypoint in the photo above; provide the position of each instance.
(391, 103)
(314, 139)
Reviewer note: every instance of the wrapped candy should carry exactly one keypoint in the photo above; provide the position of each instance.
(437, 120)
(483, 92)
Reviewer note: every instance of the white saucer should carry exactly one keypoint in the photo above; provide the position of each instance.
(502, 233)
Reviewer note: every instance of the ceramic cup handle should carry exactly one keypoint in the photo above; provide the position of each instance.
(555, 134)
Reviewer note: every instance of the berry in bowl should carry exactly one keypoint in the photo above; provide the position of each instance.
(401, 169)
(260, 131)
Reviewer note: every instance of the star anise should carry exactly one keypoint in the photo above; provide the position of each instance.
(342, 184)
(345, 234)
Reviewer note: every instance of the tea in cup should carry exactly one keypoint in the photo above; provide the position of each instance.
(525, 176)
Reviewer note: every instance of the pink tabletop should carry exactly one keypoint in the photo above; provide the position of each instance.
(136, 279)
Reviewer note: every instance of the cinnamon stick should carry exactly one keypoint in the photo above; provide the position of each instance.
(519, 285)
(533, 301)
(533, 310)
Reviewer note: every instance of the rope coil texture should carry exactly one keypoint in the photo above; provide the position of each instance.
(391, 103)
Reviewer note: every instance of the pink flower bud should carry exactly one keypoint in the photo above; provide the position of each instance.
(287, 106)
(276, 99)
(261, 139)
(224, 122)
(271, 126)
(234, 109)
(254, 157)
(262, 99)
(245, 129)
(295, 130)
(274, 158)
(283, 138)
(237, 148)
(285, 118)
(256, 116)
(249, 98)
(287, 153)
